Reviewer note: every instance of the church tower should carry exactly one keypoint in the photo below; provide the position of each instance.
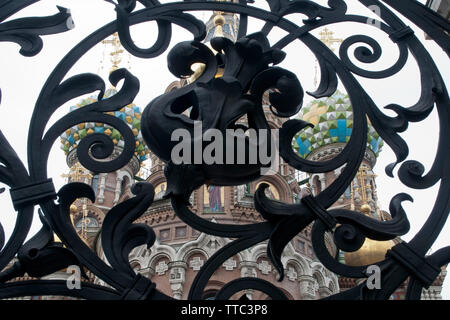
(180, 251)
(113, 187)
(333, 122)
(332, 118)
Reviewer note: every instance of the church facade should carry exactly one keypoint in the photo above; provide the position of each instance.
(180, 251)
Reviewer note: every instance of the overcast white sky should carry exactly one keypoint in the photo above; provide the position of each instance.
(22, 79)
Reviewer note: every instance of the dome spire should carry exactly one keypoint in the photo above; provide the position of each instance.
(131, 114)
(326, 36)
(112, 47)
(332, 118)
(116, 52)
(363, 176)
(76, 173)
(222, 24)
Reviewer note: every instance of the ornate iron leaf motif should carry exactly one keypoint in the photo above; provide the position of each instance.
(26, 32)
(218, 103)
(249, 71)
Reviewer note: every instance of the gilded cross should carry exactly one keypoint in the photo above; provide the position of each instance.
(77, 173)
(116, 52)
(363, 187)
(326, 36)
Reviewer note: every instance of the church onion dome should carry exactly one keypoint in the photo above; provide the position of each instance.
(332, 118)
(222, 24)
(131, 114)
(371, 252)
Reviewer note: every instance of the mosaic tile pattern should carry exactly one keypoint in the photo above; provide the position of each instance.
(333, 122)
(131, 114)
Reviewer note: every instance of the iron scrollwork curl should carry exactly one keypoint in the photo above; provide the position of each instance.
(249, 71)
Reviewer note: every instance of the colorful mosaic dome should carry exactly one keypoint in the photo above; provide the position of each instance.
(131, 114)
(333, 122)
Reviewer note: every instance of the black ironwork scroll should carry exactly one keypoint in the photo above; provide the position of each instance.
(249, 70)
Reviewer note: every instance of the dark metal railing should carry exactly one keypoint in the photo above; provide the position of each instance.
(240, 92)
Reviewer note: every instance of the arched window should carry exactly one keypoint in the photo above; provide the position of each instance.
(95, 184)
(332, 287)
(317, 283)
(123, 185)
(317, 185)
(347, 193)
(372, 188)
(209, 295)
(136, 266)
(89, 221)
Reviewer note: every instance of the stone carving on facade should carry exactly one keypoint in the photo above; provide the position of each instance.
(240, 192)
(213, 244)
(196, 263)
(264, 267)
(230, 264)
(161, 268)
(117, 189)
(307, 287)
(324, 292)
(248, 269)
(432, 293)
(177, 278)
(292, 274)
(101, 191)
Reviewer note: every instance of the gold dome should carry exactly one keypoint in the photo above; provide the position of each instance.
(219, 20)
(56, 238)
(73, 208)
(371, 252)
(365, 208)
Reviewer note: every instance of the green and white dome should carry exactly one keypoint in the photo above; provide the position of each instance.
(332, 118)
(130, 114)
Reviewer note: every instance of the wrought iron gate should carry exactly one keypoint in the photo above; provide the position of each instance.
(249, 70)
